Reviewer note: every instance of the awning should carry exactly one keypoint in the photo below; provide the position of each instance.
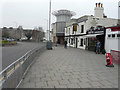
(92, 35)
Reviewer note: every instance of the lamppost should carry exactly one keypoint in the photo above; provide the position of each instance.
(49, 42)
(49, 19)
(15, 24)
(69, 36)
(47, 29)
(16, 29)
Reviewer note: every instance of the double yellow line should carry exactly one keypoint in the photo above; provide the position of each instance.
(12, 70)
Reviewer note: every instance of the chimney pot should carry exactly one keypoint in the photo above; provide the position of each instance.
(96, 4)
(99, 4)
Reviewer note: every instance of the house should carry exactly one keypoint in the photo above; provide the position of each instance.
(89, 28)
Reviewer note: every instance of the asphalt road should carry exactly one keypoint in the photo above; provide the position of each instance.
(12, 53)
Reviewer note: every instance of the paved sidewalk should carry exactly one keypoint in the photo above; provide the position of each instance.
(70, 68)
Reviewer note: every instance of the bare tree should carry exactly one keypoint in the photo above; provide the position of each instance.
(28, 34)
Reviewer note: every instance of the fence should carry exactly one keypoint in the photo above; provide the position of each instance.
(116, 56)
(12, 76)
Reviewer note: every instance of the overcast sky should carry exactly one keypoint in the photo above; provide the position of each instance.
(34, 13)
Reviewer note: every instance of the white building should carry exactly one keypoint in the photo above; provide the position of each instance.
(58, 28)
(82, 39)
(112, 42)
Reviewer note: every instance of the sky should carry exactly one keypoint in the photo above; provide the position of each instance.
(34, 13)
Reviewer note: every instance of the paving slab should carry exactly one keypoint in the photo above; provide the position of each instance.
(70, 68)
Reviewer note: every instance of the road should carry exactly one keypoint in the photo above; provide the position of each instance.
(12, 53)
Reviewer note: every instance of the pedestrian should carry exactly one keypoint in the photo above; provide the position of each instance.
(98, 46)
(65, 43)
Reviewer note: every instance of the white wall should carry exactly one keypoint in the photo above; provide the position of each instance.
(63, 18)
(119, 10)
(79, 42)
(112, 43)
(99, 12)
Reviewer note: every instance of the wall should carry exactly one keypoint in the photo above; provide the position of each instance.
(60, 27)
(63, 18)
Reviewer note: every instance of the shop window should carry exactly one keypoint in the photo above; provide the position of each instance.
(92, 43)
(82, 28)
(113, 35)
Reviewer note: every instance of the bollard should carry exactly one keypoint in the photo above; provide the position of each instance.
(109, 60)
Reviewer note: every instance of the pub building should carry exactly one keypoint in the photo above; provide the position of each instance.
(94, 34)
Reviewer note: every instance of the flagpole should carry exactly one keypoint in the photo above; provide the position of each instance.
(49, 18)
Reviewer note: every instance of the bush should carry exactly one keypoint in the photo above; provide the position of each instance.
(5, 42)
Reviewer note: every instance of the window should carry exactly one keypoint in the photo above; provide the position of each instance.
(84, 41)
(109, 36)
(69, 31)
(82, 28)
(71, 41)
(72, 32)
(66, 30)
(113, 35)
(81, 42)
(74, 40)
(118, 35)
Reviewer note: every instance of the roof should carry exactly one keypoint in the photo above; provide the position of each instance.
(64, 12)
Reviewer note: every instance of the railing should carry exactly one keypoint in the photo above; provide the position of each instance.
(12, 76)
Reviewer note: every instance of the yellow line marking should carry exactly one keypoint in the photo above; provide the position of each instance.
(12, 70)
(1, 78)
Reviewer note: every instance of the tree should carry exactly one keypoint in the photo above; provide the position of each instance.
(5, 33)
(28, 34)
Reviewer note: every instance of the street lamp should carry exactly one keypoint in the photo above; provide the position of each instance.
(49, 19)
(49, 43)
(47, 29)
(15, 24)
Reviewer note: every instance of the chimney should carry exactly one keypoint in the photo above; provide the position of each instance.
(99, 10)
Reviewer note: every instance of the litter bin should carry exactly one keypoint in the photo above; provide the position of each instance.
(49, 45)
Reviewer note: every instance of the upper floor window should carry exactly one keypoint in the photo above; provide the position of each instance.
(118, 35)
(69, 30)
(82, 28)
(66, 30)
(113, 35)
(109, 35)
(72, 32)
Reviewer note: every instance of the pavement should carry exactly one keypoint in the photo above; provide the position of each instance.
(70, 68)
